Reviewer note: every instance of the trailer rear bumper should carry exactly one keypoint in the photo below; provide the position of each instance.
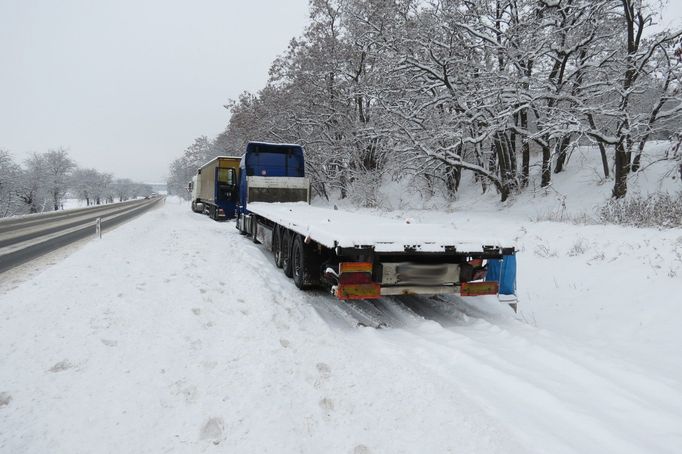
(368, 280)
(419, 290)
(374, 291)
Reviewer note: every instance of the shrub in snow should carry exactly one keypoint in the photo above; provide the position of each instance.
(660, 209)
(543, 251)
(364, 190)
(578, 248)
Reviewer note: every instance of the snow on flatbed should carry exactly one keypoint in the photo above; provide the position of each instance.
(175, 334)
(333, 228)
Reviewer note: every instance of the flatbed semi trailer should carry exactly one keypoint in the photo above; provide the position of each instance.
(359, 256)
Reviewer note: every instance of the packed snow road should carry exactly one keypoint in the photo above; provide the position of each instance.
(175, 334)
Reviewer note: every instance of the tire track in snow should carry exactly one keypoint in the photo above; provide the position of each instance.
(639, 383)
(540, 387)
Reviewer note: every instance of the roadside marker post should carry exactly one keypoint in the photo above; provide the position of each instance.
(98, 227)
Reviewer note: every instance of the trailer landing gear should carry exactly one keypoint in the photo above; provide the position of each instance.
(511, 300)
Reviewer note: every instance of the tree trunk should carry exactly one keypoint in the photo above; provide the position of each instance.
(504, 161)
(452, 179)
(343, 182)
(525, 149)
(546, 165)
(635, 26)
(492, 161)
(511, 149)
(561, 157)
(620, 186)
(504, 193)
(636, 162)
(504, 158)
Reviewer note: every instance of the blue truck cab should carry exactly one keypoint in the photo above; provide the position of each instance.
(270, 173)
(268, 160)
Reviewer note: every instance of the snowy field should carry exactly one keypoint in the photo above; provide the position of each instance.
(175, 334)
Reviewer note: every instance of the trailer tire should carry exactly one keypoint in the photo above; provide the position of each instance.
(286, 254)
(277, 247)
(305, 264)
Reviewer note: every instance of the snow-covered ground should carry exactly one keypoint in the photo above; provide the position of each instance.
(175, 334)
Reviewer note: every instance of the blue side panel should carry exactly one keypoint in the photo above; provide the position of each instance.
(504, 272)
(493, 273)
(229, 207)
(273, 160)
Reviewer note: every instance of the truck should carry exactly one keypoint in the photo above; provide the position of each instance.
(358, 256)
(214, 188)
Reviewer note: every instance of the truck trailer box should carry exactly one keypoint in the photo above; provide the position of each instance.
(216, 186)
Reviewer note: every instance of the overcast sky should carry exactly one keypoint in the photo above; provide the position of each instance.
(126, 85)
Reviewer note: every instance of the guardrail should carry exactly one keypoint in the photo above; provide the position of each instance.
(24, 238)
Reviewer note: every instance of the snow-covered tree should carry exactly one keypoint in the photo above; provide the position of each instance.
(58, 167)
(182, 169)
(431, 90)
(31, 188)
(84, 184)
(10, 174)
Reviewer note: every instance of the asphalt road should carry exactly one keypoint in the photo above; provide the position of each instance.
(27, 237)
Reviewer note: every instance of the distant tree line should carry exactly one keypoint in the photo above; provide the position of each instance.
(182, 169)
(43, 180)
(428, 90)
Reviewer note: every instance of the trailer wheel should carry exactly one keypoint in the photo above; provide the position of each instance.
(304, 264)
(277, 247)
(286, 254)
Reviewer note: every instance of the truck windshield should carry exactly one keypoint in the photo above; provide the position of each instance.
(226, 176)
